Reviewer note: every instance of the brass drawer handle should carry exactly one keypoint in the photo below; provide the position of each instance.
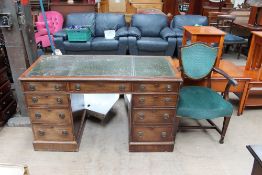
(41, 133)
(38, 115)
(141, 116)
(142, 87)
(167, 100)
(32, 87)
(57, 87)
(34, 99)
(122, 88)
(156, 85)
(59, 100)
(64, 133)
(168, 88)
(166, 116)
(77, 87)
(62, 116)
(163, 134)
(140, 133)
(141, 100)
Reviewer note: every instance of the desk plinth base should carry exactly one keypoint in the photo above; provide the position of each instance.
(151, 147)
(56, 146)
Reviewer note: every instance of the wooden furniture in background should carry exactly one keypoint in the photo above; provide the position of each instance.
(52, 91)
(256, 151)
(207, 34)
(65, 8)
(255, 17)
(212, 18)
(253, 94)
(7, 100)
(128, 7)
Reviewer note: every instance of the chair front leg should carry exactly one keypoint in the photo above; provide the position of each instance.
(224, 129)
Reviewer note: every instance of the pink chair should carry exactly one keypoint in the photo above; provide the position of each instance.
(55, 22)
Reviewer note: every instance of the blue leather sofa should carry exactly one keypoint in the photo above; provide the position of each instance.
(149, 34)
(185, 20)
(98, 44)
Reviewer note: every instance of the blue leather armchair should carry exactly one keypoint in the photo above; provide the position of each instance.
(150, 35)
(98, 44)
(185, 20)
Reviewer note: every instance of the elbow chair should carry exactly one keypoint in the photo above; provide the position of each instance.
(202, 103)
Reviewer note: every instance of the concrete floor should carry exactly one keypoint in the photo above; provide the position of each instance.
(104, 150)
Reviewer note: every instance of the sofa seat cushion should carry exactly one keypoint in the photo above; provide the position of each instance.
(100, 43)
(77, 46)
(152, 44)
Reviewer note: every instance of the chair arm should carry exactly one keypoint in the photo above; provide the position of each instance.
(230, 82)
(121, 32)
(135, 32)
(167, 33)
(61, 33)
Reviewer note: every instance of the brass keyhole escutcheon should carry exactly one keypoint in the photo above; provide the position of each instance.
(64, 133)
(167, 100)
(62, 116)
(122, 87)
(141, 116)
(141, 100)
(57, 87)
(163, 134)
(168, 88)
(37, 115)
(32, 87)
(77, 87)
(59, 100)
(142, 87)
(34, 99)
(166, 116)
(41, 132)
(140, 133)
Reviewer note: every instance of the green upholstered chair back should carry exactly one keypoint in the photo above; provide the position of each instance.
(197, 60)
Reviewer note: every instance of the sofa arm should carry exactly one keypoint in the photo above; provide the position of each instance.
(62, 34)
(167, 33)
(122, 32)
(134, 32)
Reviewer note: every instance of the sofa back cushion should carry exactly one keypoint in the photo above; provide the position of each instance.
(188, 20)
(81, 19)
(150, 25)
(108, 21)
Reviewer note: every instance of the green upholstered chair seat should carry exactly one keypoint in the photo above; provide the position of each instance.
(202, 103)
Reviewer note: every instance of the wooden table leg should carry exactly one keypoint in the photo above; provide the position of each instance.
(220, 50)
(243, 99)
(184, 38)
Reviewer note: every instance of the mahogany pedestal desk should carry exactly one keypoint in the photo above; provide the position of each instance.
(53, 87)
(207, 34)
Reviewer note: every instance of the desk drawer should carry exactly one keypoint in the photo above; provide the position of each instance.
(46, 100)
(44, 86)
(54, 116)
(52, 133)
(100, 87)
(5, 88)
(155, 87)
(152, 134)
(5, 100)
(161, 100)
(152, 116)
